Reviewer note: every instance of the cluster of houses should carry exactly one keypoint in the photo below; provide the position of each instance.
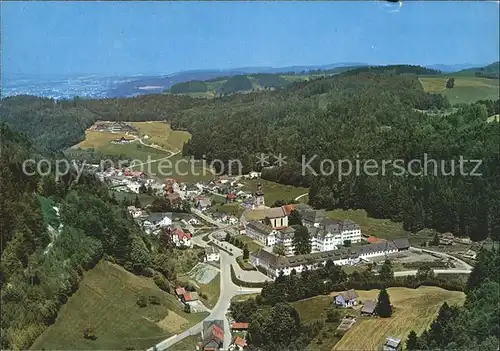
(152, 223)
(269, 226)
(126, 180)
(275, 265)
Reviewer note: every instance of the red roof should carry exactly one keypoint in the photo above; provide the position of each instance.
(240, 341)
(374, 240)
(231, 196)
(289, 208)
(181, 234)
(180, 291)
(187, 297)
(239, 325)
(217, 332)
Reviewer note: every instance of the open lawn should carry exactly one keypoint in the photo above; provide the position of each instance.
(212, 291)
(381, 228)
(97, 140)
(252, 245)
(145, 199)
(188, 344)
(274, 191)
(466, 89)
(106, 301)
(160, 133)
(414, 309)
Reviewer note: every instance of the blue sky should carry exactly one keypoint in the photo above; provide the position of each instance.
(165, 37)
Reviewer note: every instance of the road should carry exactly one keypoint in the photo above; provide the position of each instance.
(227, 291)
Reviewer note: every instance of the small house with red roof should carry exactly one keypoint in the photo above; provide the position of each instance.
(180, 291)
(231, 197)
(212, 335)
(181, 237)
(239, 326)
(239, 343)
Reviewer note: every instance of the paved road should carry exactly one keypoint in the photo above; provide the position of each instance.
(464, 264)
(227, 291)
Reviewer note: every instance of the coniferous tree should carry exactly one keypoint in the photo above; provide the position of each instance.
(412, 341)
(384, 307)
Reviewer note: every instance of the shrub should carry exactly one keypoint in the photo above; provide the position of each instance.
(89, 333)
(189, 287)
(142, 301)
(187, 308)
(161, 282)
(154, 300)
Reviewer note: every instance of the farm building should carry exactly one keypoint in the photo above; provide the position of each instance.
(392, 344)
(348, 298)
(369, 308)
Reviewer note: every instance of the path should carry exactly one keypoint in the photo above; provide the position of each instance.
(436, 271)
(301, 196)
(227, 291)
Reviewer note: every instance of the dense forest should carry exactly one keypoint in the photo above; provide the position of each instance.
(45, 252)
(376, 115)
(236, 84)
(189, 87)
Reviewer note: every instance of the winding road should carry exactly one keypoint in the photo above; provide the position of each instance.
(228, 289)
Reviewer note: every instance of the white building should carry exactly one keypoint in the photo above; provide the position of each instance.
(275, 264)
(181, 238)
(277, 216)
(156, 221)
(211, 254)
(331, 233)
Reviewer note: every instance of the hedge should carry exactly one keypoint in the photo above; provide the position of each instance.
(245, 284)
(243, 265)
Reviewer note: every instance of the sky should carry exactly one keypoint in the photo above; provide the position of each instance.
(128, 38)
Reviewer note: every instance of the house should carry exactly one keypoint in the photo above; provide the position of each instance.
(239, 326)
(212, 335)
(191, 190)
(180, 291)
(202, 203)
(262, 233)
(392, 344)
(369, 308)
(181, 237)
(238, 344)
(157, 220)
(190, 296)
(348, 298)
(231, 197)
(211, 254)
(312, 218)
(402, 244)
(122, 140)
(134, 211)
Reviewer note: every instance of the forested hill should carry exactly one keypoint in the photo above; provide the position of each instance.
(490, 71)
(368, 115)
(42, 262)
(476, 325)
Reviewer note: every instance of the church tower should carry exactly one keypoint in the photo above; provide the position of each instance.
(259, 196)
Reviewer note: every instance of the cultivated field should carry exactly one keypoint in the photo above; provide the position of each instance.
(106, 301)
(160, 133)
(466, 89)
(414, 309)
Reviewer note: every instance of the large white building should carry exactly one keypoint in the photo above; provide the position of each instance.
(268, 236)
(331, 233)
(274, 264)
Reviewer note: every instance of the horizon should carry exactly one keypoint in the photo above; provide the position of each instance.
(131, 39)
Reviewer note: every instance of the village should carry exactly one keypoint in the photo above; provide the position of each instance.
(267, 235)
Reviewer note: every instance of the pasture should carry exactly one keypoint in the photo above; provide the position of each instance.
(466, 89)
(274, 191)
(106, 302)
(160, 133)
(414, 309)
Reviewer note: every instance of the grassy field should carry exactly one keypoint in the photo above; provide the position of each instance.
(466, 89)
(145, 199)
(106, 301)
(274, 191)
(212, 290)
(414, 309)
(97, 140)
(252, 245)
(381, 228)
(160, 133)
(188, 344)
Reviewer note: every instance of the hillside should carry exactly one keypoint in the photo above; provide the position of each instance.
(489, 71)
(106, 301)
